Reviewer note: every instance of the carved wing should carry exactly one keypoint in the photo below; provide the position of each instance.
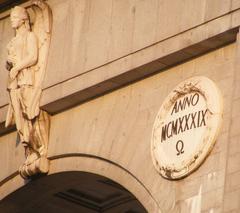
(42, 29)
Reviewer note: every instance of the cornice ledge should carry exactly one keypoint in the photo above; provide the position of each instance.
(138, 65)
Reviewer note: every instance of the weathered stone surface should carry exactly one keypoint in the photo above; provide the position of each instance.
(110, 134)
(90, 50)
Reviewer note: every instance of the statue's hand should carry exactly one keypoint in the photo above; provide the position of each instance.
(12, 59)
(13, 73)
(34, 2)
(39, 3)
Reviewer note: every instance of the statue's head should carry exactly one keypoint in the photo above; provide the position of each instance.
(19, 16)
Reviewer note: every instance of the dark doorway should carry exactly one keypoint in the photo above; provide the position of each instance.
(71, 192)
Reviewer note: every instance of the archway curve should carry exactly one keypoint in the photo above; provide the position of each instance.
(104, 167)
(100, 166)
(68, 192)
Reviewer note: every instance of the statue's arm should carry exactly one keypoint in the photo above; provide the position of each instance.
(30, 58)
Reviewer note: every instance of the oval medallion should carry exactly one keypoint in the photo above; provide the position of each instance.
(186, 127)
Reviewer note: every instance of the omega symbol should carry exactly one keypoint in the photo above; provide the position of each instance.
(179, 147)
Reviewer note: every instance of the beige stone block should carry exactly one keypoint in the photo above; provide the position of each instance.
(121, 28)
(66, 121)
(129, 132)
(220, 73)
(221, 143)
(232, 182)
(222, 163)
(166, 203)
(11, 185)
(202, 67)
(86, 44)
(235, 19)
(234, 130)
(1, 30)
(117, 129)
(221, 24)
(76, 27)
(213, 210)
(234, 145)
(213, 163)
(143, 57)
(168, 47)
(189, 8)
(11, 155)
(214, 180)
(63, 16)
(164, 21)
(233, 163)
(189, 187)
(152, 101)
(182, 206)
(235, 4)
(192, 39)
(98, 38)
(227, 107)
(226, 125)
(99, 134)
(3, 113)
(212, 199)
(215, 8)
(177, 22)
(236, 92)
(141, 157)
(188, 71)
(56, 62)
(231, 201)
(119, 67)
(90, 81)
(51, 94)
(203, 202)
(229, 52)
(226, 87)
(145, 22)
(237, 69)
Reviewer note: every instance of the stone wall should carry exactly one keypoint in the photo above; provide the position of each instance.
(88, 33)
(118, 125)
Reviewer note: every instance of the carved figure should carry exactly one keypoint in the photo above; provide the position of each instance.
(26, 63)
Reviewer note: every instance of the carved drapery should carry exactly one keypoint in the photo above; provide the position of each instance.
(26, 63)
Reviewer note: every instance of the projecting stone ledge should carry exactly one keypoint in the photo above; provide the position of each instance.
(153, 59)
(70, 93)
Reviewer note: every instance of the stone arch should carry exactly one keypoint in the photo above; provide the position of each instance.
(96, 165)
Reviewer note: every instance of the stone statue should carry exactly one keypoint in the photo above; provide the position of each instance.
(26, 63)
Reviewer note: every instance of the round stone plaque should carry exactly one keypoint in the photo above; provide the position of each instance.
(186, 127)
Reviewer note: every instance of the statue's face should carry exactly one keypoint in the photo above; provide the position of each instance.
(16, 21)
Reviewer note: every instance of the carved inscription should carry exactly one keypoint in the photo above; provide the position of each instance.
(185, 122)
(186, 102)
(186, 126)
(179, 147)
